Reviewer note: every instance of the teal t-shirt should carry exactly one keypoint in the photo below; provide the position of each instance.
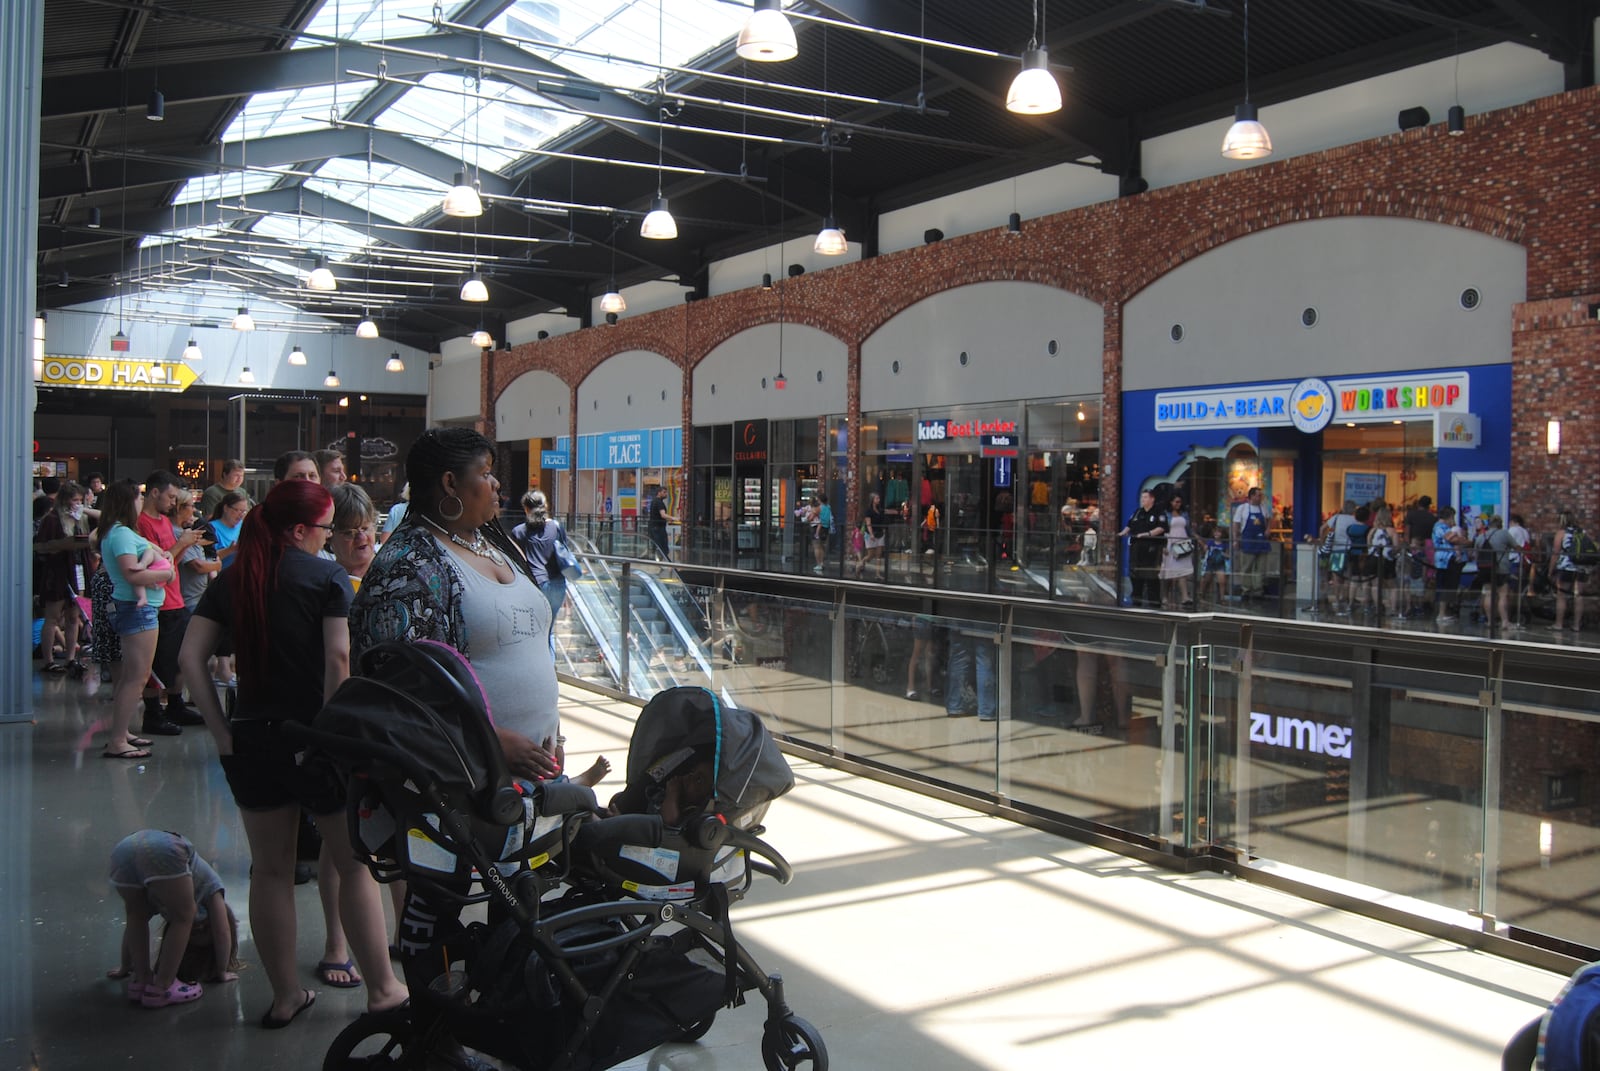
(124, 540)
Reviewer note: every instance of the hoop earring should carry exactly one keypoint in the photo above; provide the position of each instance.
(461, 507)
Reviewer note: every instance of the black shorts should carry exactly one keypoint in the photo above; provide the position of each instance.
(265, 772)
(170, 625)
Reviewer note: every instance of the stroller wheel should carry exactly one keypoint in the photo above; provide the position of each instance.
(792, 1042)
(698, 1028)
(384, 1040)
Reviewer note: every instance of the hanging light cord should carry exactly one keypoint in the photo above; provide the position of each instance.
(1247, 51)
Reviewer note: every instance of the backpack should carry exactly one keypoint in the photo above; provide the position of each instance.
(1569, 1036)
(1585, 551)
(1485, 555)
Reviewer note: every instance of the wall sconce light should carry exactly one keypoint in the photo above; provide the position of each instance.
(611, 319)
(931, 235)
(542, 335)
(796, 270)
(1552, 437)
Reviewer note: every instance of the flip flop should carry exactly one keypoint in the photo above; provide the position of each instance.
(139, 741)
(53, 667)
(326, 969)
(130, 753)
(269, 1023)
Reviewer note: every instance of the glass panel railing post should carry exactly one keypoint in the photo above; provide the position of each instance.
(624, 593)
(1367, 724)
(1489, 862)
(1168, 788)
(1198, 826)
(839, 622)
(1002, 710)
(1243, 773)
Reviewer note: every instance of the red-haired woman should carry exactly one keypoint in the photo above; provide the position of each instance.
(286, 610)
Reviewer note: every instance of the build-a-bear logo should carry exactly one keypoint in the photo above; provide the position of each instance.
(1311, 405)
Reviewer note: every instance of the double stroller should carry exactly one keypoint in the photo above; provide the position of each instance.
(605, 936)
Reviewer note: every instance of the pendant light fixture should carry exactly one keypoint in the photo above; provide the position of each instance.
(1247, 139)
(831, 241)
(297, 356)
(612, 300)
(463, 201)
(367, 328)
(331, 379)
(767, 36)
(243, 321)
(94, 218)
(473, 288)
(1456, 117)
(156, 109)
(659, 224)
(321, 277)
(191, 352)
(480, 338)
(246, 376)
(394, 363)
(1034, 91)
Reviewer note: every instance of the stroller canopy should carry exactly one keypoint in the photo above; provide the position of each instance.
(680, 723)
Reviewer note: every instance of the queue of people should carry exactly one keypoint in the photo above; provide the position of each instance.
(273, 603)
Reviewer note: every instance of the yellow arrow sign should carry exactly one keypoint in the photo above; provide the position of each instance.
(119, 374)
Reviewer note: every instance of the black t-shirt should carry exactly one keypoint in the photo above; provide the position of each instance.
(1419, 523)
(308, 590)
(658, 511)
(874, 517)
(1146, 551)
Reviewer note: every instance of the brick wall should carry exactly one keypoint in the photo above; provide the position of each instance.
(1526, 174)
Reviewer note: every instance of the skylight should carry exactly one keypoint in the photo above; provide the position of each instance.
(294, 111)
(398, 193)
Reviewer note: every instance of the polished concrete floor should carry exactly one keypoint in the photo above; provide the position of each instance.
(916, 934)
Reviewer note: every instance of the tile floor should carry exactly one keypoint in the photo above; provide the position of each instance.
(916, 935)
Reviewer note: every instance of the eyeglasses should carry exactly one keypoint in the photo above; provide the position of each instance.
(330, 529)
(368, 530)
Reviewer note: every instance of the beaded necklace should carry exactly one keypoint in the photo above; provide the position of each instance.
(479, 545)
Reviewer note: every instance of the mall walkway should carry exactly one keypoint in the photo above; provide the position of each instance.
(917, 934)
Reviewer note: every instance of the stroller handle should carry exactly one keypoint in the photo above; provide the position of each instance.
(710, 831)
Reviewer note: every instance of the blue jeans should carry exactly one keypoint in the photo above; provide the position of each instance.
(556, 592)
(964, 650)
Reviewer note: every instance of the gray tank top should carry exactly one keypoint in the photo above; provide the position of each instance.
(508, 629)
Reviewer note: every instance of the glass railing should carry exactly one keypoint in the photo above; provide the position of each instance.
(1435, 777)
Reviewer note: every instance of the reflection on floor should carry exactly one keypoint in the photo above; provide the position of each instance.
(916, 934)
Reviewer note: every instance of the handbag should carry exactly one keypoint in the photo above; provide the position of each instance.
(566, 563)
(1183, 548)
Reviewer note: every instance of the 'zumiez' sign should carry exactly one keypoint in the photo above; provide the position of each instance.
(1300, 734)
(1358, 400)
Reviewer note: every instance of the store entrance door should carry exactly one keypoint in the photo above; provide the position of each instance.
(749, 521)
(964, 487)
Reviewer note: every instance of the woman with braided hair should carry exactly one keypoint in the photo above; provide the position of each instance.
(451, 573)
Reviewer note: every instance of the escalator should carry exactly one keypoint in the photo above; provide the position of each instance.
(664, 643)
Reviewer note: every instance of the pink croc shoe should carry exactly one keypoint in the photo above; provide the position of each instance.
(178, 992)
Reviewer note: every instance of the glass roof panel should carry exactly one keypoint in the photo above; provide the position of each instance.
(292, 111)
(332, 240)
(227, 186)
(398, 193)
(369, 20)
(627, 30)
(484, 133)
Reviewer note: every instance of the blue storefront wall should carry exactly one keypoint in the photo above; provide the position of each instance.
(644, 448)
(1151, 452)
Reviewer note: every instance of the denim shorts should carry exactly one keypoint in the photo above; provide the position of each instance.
(128, 617)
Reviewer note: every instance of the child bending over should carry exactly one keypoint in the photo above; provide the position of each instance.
(159, 873)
